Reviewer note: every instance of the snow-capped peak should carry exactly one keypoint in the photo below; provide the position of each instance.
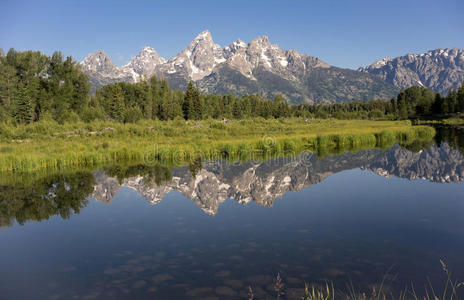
(204, 37)
(262, 40)
(206, 34)
(239, 43)
(381, 62)
(144, 63)
(422, 69)
(97, 61)
(148, 49)
(198, 59)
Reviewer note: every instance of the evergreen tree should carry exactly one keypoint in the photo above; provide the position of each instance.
(22, 111)
(402, 107)
(191, 107)
(197, 106)
(461, 98)
(165, 97)
(155, 97)
(453, 101)
(237, 110)
(8, 83)
(437, 107)
(171, 108)
(117, 103)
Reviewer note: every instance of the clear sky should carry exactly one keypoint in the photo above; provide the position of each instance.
(344, 33)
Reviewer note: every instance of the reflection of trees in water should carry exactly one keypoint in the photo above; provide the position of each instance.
(152, 173)
(30, 199)
(195, 166)
(60, 195)
(452, 135)
(417, 145)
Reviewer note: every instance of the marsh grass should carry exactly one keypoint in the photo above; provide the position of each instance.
(327, 291)
(44, 145)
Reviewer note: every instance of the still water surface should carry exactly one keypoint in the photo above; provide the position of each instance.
(163, 233)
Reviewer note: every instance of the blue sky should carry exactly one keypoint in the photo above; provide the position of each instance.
(345, 33)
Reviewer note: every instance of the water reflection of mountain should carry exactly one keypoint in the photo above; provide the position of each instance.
(437, 164)
(39, 198)
(265, 181)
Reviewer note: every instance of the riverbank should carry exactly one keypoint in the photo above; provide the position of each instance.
(44, 145)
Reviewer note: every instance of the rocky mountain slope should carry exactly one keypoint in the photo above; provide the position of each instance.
(439, 70)
(264, 182)
(257, 67)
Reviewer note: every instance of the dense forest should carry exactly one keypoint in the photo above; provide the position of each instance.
(34, 86)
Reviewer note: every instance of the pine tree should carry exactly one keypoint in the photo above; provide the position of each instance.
(8, 82)
(22, 111)
(402, 106)
(117, 103)
(453, 101)
(437, 106)
(191, 107)
(237, 110)
(165, 97)
(461, 98)
(197, 106)
(155, 97)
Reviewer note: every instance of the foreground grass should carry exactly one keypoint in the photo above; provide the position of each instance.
(47, 144)
(450, 290)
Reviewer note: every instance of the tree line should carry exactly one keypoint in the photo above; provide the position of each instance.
(414, 102)
(153, 99)
(34, 86)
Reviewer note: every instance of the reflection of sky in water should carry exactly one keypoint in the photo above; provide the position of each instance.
(353, 225)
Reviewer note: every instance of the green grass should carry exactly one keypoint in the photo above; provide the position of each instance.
(45, 145)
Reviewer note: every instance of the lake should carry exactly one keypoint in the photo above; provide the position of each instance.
(212, 229)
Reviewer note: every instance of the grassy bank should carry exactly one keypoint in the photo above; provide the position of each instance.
(44, 145)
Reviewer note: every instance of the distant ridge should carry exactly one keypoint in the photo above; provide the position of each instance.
(440, 70)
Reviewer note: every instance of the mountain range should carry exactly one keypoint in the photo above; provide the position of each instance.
(440, 70)
(259, 67)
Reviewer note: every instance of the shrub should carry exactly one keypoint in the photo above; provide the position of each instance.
(90, 114)
(69, 117)
(132, 115)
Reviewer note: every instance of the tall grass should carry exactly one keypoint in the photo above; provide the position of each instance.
(45, 145)
(327, 291)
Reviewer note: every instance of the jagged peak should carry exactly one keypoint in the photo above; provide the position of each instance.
(147, 49)
(264, 39)
(434, 52)
(98, 53)
(204, 35)
(239, 43)
(97, 60)
(204, 38)
(381, 62)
